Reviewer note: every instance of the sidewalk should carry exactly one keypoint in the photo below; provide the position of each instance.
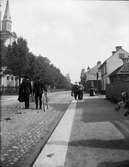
(87, 96)
(96, 139)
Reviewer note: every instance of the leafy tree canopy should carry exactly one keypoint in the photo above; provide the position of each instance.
(22, 62)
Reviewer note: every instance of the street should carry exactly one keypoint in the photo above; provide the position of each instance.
(85, 133)
(25, 131)
(91, 134)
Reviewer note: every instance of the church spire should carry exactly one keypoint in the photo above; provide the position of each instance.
(0, 16)
(7, 23)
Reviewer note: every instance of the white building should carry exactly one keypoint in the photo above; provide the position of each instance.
(7, 79)
(111, 64)
(93, 77)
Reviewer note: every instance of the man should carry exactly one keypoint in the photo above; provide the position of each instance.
(80, 91)
(75, 90)
(38, 89)
(25, 90)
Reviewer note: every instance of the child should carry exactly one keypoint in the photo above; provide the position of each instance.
(124, 103)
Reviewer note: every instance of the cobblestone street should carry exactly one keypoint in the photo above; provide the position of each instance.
(24, 130)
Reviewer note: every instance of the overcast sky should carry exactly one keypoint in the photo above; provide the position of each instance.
(73, 34)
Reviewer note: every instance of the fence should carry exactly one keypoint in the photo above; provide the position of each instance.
(113, 91)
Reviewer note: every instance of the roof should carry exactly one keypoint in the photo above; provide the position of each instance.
(115, 52)
(7, 12)
(124, 69)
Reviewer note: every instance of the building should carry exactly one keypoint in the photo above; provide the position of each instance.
(7, 79)
(116, 60)
(119, 81)
(6, 34)
(120, 75)
(93, 77)
(7, 37)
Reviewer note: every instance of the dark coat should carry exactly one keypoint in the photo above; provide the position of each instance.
(24, 89)
(75, 88)
(38, 88)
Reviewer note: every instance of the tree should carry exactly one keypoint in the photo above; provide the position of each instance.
(21, 62)
(17, 57)
(3, 51)
(31, 65)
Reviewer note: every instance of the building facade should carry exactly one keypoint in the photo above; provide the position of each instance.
(7, 37)
(111, 64)
(119, 82)
(93, 77)
(7, 79)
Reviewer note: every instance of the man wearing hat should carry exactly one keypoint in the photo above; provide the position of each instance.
(38, 89)
(25, 90)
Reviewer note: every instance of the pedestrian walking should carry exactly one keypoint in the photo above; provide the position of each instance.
(80, 91)
(74, 92)
(25, 90)
(38, 88)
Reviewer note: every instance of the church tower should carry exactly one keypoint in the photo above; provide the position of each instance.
(0, 16)
(7, 23)
(6, 34)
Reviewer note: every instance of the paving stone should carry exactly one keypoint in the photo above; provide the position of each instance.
(24, 131)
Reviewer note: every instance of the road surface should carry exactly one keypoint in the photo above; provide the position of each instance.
(86, 133)
(90, 134)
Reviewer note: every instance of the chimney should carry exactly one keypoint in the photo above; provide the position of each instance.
(98, 63)
(118, 48)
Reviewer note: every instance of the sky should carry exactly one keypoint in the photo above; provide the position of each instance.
(73, 34)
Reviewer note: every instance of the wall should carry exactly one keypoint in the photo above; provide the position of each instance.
(92, 73)
(113, 91)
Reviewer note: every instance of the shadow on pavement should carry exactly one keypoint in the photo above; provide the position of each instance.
(121, 144)
(114, 164)
(97, 110)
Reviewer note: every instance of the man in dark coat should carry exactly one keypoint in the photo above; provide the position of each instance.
(75, 88)
(25, 90)
(38, 89)
(80, 91)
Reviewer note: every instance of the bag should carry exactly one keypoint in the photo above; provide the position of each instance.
(21, 98)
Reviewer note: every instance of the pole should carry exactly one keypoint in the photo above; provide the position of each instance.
(97, 81)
